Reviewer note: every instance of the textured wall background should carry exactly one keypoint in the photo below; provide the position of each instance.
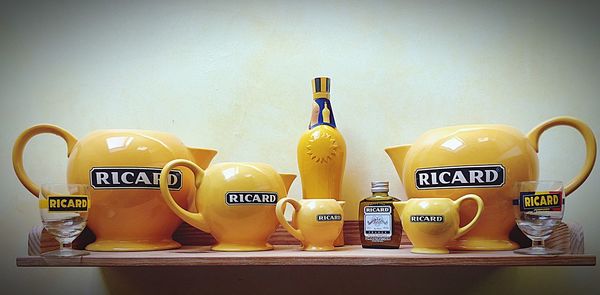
(235, 76)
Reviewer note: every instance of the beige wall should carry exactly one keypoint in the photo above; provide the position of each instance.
(235, 77)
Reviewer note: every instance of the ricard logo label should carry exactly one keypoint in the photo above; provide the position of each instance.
(132, 178)
(427, 218)
(67, 203)
(329, 217)
(377, 209)
(460, 177)
(540, 201)
(251, 198)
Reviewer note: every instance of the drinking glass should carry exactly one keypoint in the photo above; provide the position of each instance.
(64, 211)
(538, 209)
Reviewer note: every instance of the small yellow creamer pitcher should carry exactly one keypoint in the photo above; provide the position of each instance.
(318, 222)
(430, 223)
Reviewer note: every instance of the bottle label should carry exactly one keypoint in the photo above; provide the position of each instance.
(322, 113)
(378, 223)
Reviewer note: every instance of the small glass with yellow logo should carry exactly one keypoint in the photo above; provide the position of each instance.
(64, 210)
(538, 208)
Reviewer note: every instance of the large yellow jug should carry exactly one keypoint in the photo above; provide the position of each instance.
(122, 168)
(485, 160)
(236, 202)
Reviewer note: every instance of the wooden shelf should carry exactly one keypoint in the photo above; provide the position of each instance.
(289, 255)
(196, 252)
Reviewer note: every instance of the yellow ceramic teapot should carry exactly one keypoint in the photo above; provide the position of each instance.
(122, 168)
(485, 160)
(430, 223)
(236, 202)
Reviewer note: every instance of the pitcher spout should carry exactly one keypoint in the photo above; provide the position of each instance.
(399, 206)
(288, 179)
(398, 154)
(202, 157)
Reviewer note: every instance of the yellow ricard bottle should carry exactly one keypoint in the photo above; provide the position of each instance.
(322, 150)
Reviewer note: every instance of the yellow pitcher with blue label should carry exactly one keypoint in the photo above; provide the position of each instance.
(235, 202)
(122, 168)
(322, 150)
(430, 223)
(486, 160)
(317, 222)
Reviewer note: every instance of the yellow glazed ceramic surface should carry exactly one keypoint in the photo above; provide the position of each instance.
(486, 160)
(122, 168)
(318, 222)
(430, 223)
(321, 161)
(235, 201)
(321, 149)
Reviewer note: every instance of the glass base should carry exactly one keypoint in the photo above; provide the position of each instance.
(65, 253)
(538, 251)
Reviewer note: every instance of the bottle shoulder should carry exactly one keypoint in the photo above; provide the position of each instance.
(323, 132)
(380, 199)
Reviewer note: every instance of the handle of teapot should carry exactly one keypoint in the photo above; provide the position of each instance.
(590, 146)
(463, 230)
(280, 212)
(194, 219)
(19, 148)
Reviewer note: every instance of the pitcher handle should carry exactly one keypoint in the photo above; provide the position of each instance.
(280, 211)
(19, 147)
(463, 230)
(195, 219)
(590, 146)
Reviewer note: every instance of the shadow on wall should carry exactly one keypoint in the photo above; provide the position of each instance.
(355, 185)
(295, 280)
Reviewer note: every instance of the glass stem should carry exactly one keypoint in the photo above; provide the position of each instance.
(537, 243)
(66, 246)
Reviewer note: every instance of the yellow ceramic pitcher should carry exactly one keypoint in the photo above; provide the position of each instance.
(235, 202)
(122, 168)
(482, 159)
(317, 222)
(430, 223)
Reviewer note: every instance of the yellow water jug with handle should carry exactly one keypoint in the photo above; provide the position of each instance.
(486, 160)
(122, 168)
(317, 222)
(431, 223)
(235, 202)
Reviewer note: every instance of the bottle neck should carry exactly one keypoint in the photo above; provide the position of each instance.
(380, 194)
(322, 113)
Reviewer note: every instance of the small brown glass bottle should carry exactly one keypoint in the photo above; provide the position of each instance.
(379, 224)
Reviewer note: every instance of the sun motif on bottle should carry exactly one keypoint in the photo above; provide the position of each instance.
(322, 148)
